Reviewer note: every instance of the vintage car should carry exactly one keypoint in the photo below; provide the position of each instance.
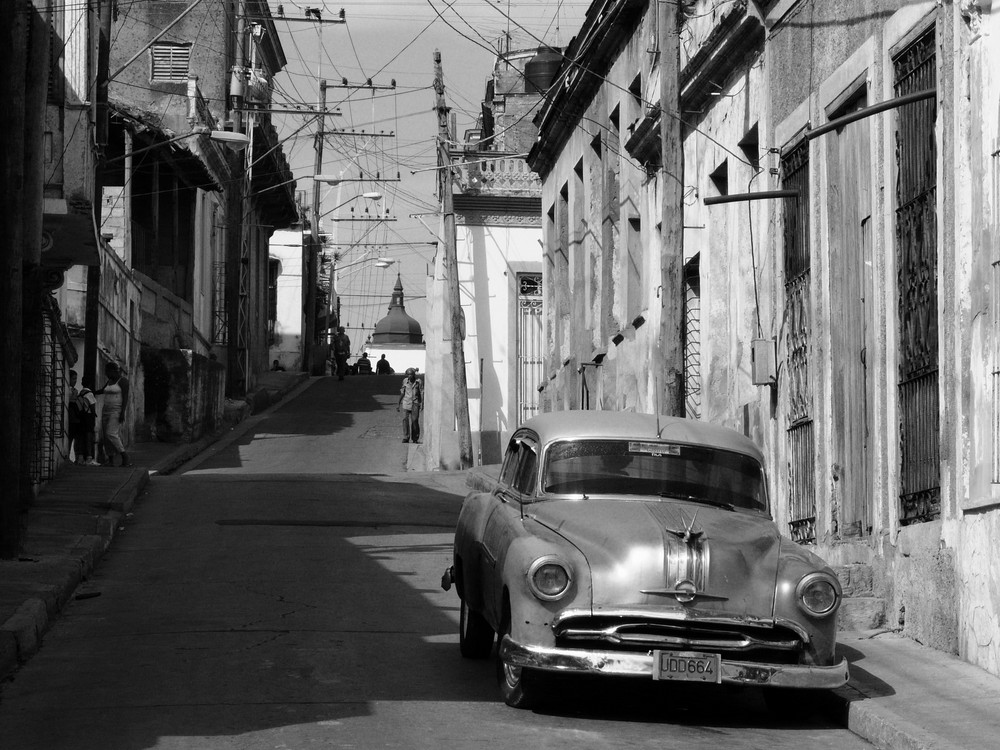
(634, 545)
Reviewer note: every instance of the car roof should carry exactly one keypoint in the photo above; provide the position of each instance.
(593, 424)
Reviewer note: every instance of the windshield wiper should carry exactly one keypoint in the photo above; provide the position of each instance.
(701, 500)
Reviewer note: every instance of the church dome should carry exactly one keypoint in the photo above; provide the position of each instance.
(397, 327)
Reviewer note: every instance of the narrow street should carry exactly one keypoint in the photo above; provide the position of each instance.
(282, 591)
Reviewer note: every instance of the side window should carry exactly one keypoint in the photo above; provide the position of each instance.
(524, 482)
(508, 472)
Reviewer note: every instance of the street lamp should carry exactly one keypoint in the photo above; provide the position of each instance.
(372, 196)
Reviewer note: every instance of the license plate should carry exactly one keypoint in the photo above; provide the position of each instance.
(687, 666)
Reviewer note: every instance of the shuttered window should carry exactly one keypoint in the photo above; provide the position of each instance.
(170, 62)
(798, 305)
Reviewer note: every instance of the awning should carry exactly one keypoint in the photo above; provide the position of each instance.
(69, 239)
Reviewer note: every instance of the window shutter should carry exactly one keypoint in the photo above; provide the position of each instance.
(170, 62)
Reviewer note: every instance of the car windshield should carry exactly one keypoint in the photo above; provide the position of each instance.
(655, 469)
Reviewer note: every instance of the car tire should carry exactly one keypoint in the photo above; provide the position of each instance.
(518, 685)
(475, 636)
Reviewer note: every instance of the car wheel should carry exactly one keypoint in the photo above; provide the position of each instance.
(518, 685)
(475, 636)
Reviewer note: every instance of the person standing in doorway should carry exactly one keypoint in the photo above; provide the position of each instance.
(411, 398)
(115, 393)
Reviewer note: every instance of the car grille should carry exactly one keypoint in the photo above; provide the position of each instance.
(770, 644)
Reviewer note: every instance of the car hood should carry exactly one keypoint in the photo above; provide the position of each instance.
(639, 552)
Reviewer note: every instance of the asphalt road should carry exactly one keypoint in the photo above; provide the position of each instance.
(283, 592)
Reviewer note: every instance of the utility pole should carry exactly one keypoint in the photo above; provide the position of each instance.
(13, 61)
(672, 259)
(309, 269)
(93, 295)
(451, 266)
(32, 302)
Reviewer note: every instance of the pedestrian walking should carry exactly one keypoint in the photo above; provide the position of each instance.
(411, 399)
(341, 351)
(115, 393)
(382, 367)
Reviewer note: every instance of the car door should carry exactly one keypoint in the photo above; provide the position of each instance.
(517, 482)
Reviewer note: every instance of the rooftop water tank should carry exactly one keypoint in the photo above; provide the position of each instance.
(540, 70)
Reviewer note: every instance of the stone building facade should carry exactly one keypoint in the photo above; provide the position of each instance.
(498, 231)
(839, 289)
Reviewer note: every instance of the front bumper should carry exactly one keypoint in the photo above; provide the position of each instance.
(642, 664)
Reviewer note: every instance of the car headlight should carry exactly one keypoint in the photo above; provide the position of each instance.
(818, 594)
(549, 578)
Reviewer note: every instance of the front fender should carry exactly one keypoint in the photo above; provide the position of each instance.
(795, 562)
(467, 553)
(531, 618)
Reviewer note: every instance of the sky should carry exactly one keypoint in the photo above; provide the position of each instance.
(384, 41)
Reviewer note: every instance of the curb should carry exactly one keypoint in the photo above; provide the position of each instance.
(21, 635)
(884, 729)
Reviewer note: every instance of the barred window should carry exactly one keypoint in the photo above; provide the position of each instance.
(170, 62)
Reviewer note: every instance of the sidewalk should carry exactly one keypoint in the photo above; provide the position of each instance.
(74, 520)
(902, 696)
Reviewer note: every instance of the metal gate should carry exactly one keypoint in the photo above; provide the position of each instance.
(916, 269)
(49, 433)
(530, 331)
(798, 294)
(692, 338)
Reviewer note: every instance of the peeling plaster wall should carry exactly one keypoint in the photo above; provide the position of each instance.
(977, 530)
(732, 240)
(940, 580)
(598, 309)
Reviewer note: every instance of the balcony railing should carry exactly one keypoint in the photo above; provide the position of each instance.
(490, 173)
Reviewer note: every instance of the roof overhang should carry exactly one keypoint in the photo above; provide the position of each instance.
(605, 30)
(69, 237)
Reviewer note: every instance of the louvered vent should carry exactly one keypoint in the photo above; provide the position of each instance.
(170, 62)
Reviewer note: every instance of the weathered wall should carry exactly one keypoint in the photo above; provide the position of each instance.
(490, 257)
(210, 28)
(977, 221)
(602, 249)
(166, 318)
(184, 394)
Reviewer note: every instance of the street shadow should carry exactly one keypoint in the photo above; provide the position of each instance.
(295, 612)
(329, 414)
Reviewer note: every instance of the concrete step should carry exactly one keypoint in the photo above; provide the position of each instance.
(861, 613)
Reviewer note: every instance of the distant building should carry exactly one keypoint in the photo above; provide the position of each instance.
(498, 234)
(287, 300)
(398, 336)
(185, 219)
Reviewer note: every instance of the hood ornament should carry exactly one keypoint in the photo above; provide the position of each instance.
(689, 534)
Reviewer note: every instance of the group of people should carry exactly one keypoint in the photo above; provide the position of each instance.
(411, 394)
(88, 445)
